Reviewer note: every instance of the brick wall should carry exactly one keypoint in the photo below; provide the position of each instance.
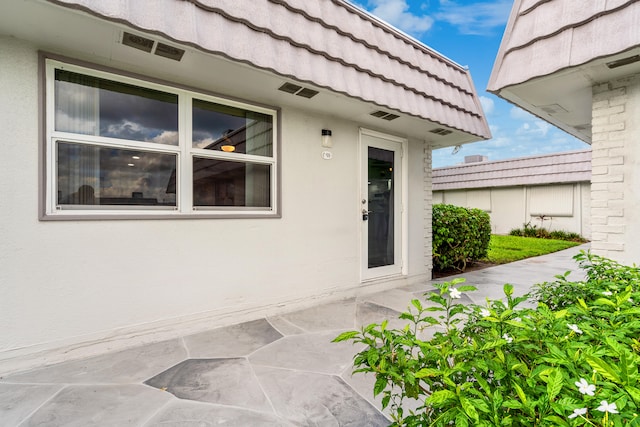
(610, 135)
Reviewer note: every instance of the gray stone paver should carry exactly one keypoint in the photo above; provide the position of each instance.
(123, 367)
(17, 401)
(183, 413)
(99, 405)
(231, 341)
(279, 371)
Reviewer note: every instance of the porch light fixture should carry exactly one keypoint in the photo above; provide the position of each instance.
(326, 138)
(228, 148)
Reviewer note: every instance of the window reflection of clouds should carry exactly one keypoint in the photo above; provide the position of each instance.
(114, 181)
(138, 118)
(209, 125)
(90, 105)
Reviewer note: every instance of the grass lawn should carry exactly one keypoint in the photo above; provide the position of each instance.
(503, 249)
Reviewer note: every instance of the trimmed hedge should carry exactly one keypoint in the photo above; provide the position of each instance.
(460, 235)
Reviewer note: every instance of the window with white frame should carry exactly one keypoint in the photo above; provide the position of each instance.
(119, 145)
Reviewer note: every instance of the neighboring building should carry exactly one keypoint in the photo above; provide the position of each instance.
(172, 164)
(576, 65)
(550, 191)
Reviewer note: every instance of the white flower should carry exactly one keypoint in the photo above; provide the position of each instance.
(455, 294)
(607, 407)
(584, 387)
(607, 293)
(574, 328)
(507, 338)
(578, 412)
(485, 313)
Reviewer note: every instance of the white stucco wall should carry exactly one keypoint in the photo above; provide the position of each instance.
(511, 207)
(68, 282)
(615, 193)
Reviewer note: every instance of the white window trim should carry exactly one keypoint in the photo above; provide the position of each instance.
(184, 152)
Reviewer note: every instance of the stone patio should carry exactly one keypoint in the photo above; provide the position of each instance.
(280, 371)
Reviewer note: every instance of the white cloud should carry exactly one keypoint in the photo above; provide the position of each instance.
(167, 137)
(487, 104)
(478, 18)
(396, 13)
(520, 114)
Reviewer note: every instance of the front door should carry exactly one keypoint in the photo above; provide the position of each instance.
(381, 204)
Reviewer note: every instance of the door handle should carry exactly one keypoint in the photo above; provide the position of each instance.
(365, 214)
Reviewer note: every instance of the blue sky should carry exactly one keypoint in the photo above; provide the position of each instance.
(469, 32)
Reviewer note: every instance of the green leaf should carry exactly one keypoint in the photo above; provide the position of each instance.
(417, 304)
(512, 404)
(556, 420)
(561, 314)
(461, 420)
(380, 385)
(520, 392)
(346, 336)
(467, 288)
(604, 301)
(440, 396)
(554, 384)
(468, 408)
(385, 400)
(508, 289)
(604, 369)
(634, 393)
(428, 372)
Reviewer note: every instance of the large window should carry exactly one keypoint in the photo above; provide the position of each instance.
(118, 145)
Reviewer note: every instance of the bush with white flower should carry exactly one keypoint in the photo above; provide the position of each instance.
(503, 365)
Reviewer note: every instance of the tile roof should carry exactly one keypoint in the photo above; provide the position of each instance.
(328, 43)
(572, 166)
(544, 36)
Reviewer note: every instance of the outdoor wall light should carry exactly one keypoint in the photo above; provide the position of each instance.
(228, 148)
(326, 138)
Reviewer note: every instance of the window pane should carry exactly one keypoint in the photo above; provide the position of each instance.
(224, 128)
(90, 175)
(94, 106)
(225, 183)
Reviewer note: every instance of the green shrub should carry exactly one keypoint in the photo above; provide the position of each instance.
(529, 230)
(510, 366)
(459, 235)
(604, 275)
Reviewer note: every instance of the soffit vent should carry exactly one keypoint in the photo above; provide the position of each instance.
(138, 42)
(170, 52)
(298, 90)
(307, 93)
(146, 45)
(384, 115)
(553, 109)
(441, 131)
(623, 61)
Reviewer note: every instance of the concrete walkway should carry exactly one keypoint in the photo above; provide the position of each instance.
(280, 371)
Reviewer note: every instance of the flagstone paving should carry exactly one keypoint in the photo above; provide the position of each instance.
(279, 371)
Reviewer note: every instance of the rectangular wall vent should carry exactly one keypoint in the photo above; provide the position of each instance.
(623, 61)
(137, 42)
(170, 52)
(384, 115)
(146, 45)
(307, 93)
(304, 92)
(290, 88)
(441, 131)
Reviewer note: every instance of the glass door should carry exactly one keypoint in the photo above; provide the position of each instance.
(381, 203)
